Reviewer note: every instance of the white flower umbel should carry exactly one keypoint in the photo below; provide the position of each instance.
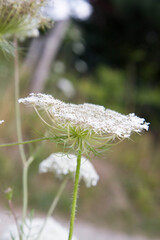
(84, 127)
(21, 16)
(93, 123)
(31, 228)
(65, 164)
(1, 121)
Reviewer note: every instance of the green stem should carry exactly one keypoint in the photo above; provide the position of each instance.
(54, 204)
(56, 199)
(15, 219)
(18, 117)
(75, 192)
(24, 142)
(19, 130)
(25, 186)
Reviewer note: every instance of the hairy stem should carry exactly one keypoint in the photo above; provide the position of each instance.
(75, 192)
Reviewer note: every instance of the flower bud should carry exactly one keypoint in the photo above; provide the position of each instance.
(9, 193)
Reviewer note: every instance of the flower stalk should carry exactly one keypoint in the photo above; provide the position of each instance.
(56, 199)
(25, 186)
(17, 107)
(19, 131)
(15, 218)
(75, 192)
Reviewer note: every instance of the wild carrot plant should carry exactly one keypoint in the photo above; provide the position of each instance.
(81, 129)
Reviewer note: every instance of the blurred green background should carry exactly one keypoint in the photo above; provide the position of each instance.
(111, 59)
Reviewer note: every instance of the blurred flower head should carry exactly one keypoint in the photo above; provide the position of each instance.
(21, 18)
(93, 125)
(31, 228)
(1, 121)
(65, 164)
(64, 9)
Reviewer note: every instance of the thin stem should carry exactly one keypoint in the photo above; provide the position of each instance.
(19, 130)
(75, 192)
(18, 117)
(15, 218)
(25, 186)
(56, 199)
(54, 204)
(25, 142)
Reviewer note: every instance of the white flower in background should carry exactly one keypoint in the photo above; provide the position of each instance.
(64, 9)
(66, 87)
(1, 121)
(52, 230)
(65, 164)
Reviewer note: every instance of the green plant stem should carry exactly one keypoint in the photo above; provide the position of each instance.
(75, 192)
(24, 142)
(25, 186)
(15, 218)
(56, 199)
(17, 107)
(54, 204)
(19, 131)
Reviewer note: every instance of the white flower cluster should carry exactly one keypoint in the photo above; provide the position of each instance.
(87, 116)
(65, 164)
(52, 230)
(1, 121)
(64, 9)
